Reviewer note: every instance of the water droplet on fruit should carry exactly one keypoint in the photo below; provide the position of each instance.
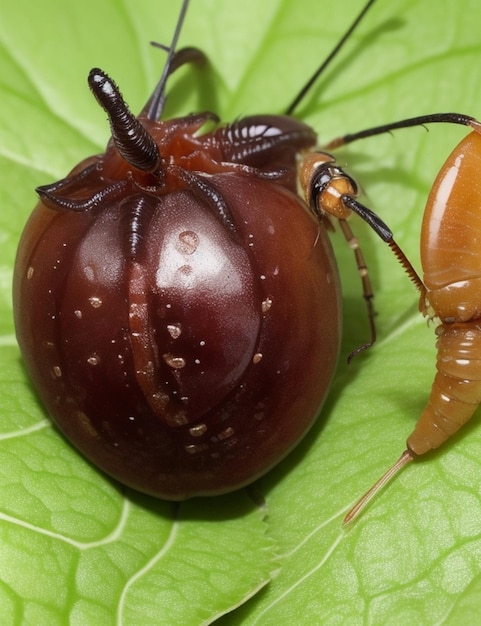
(188, 242)
(174, 330)
(95, 302)
(266, 304)
(198, 430)
(176, 362)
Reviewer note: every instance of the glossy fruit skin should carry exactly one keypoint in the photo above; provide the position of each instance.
(183, 351)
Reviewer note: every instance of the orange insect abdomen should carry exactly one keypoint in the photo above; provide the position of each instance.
(451, 260)
(451, 236)
(456, 390)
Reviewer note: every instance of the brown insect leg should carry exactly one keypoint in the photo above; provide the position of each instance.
(367, 290)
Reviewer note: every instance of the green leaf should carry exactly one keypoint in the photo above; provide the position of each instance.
(75, 548)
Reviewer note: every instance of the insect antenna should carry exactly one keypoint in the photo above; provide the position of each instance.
(157, 101)
(384, 232)
(178, 59)
(407, 265)
(302, 93)
(421, 120)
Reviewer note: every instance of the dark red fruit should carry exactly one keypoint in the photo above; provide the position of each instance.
(176, 302)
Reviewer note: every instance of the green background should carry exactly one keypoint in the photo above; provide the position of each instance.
(76, 548)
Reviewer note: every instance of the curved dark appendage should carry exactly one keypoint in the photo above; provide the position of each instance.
(381, 229)
(153, 108)
(201, 186)
(189, 54)
(157, 100)
(258, 139)
(131, 139)
(56, 202)
(372, 219)
(302, 93)
(135, 215)
(67, 181)
(421, 120)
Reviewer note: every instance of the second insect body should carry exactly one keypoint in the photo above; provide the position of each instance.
(451, 293)
(451, 261)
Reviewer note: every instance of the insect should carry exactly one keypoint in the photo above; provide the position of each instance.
(450, 291)
(177, 303)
